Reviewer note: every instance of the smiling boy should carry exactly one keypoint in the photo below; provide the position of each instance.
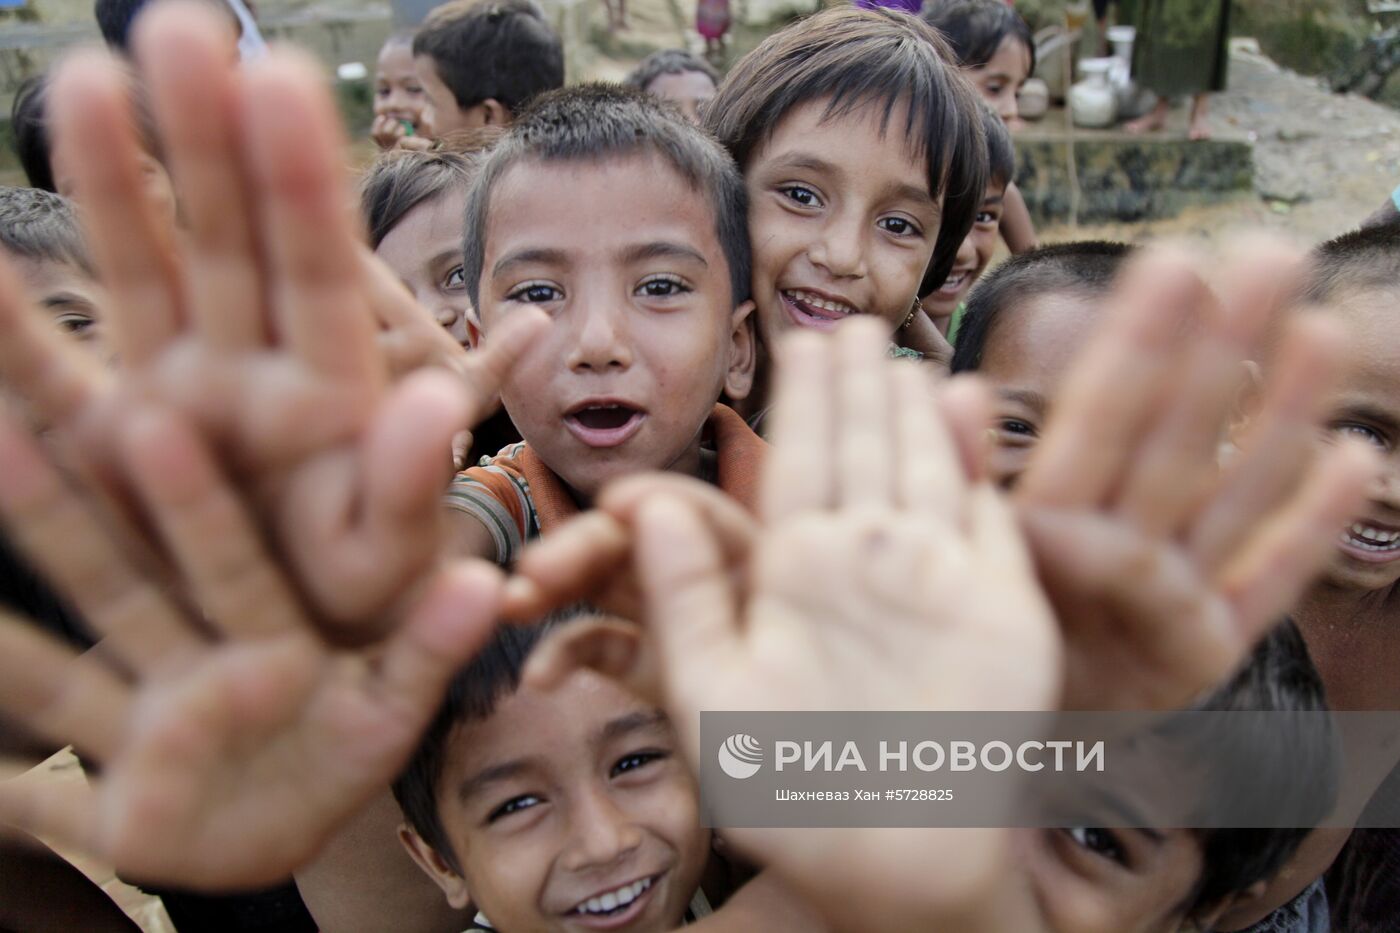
(625, 224)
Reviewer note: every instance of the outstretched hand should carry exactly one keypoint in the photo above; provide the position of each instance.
(260, 321)
(1165, 569)
(233, 740)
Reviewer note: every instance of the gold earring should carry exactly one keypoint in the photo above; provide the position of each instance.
(913, 310)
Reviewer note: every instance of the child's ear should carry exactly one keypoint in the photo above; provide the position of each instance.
(743, 353)
(494, 113)
(427, 858)
(1247, 401)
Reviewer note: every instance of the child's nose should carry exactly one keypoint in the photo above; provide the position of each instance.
(601, 834)
(840, 249)
(600, 336)
(967, 252)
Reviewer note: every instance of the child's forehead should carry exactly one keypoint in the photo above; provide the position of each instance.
(596, 205)
(1370, 354)
(859, 130)
(40, 276)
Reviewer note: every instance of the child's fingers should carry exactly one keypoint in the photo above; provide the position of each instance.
(49, 811)
(734, 529)
(182, 50)
(56, 694)
(94, 135)
(583, 555)
(313, 256)
(63, 538)
(610, 647)
(1286, 555)
(486, 368)
(967, 410)
(1278, 448)
(928, 473)
(41, 367)
(866, 458)
(224, 565)
(799, 470)
(1111, 393)
(688, 594)
(454, 615)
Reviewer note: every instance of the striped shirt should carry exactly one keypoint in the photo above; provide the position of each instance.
(517, 497)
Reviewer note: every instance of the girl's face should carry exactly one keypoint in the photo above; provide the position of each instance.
(973, 256)
(1002, 76)
(425, 250)
(841, 219)
(398, 93)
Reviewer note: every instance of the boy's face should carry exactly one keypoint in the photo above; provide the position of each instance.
(442, 113)
(1002, 76)
(623, 255)
(1365, 402)
(398, 92)
(1111, 880)
(841, 220)
(68, 296)
(973, 256)
(425, 250)
(572, 810)
(1024, 361)
(688, 90)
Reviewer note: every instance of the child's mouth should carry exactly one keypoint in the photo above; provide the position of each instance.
(809, 309)
(615, 908)
(955, 283)
(604, 423)
(1371, 543)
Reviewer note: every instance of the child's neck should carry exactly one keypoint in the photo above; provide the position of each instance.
(697, 461)
(1354, 638)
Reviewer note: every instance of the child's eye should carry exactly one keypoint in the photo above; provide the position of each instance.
(1017, 427)
(73, 323)
(802, 195)
(382, 90)
(1362, 431)
(1099, 841)
(662, 286)
(457, 278)
(636, 760)
(535, 293)
(514, 805)
(899, 226)
(986, 217)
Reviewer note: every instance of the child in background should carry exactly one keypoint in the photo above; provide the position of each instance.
(1023, 326)
(994, 46)
(624, 223)
(480, 62)
(863, 156)
(413, 203)
(686, 80)
(945, 306)
(399, 98)
(40, 238)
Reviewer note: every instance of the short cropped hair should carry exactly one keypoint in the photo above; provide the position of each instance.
(668, 62)
(1085, 269)
(38, 224)
(400, 180)
(594, 122)
(1280, 678)
(1001, 152)
(472, 696)
(493, 49)
(1363, 260)
(855, 58)
(975, 29)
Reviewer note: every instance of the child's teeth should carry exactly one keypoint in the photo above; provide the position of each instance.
(612, 900)
(1367, 536)
(609, 901)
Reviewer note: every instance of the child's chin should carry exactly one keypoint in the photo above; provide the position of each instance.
(1348, 573)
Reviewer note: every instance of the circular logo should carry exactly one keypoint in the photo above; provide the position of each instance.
(740, 756)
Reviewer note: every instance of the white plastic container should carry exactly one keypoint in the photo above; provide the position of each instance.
(1093, 104)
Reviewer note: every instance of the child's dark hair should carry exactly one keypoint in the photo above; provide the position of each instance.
(855, 58)
(401, 180)
(1278, 678)
(975, 29)
(1001, 152)
(594, 122)
(473, 695)
(31, 135)
(1084, 269)
(668, 62)
(41, 225)
(1363, 260)
(116, 17)
(493, 49)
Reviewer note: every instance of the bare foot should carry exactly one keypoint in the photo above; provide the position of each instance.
(1200, 129)
(1150, 122)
